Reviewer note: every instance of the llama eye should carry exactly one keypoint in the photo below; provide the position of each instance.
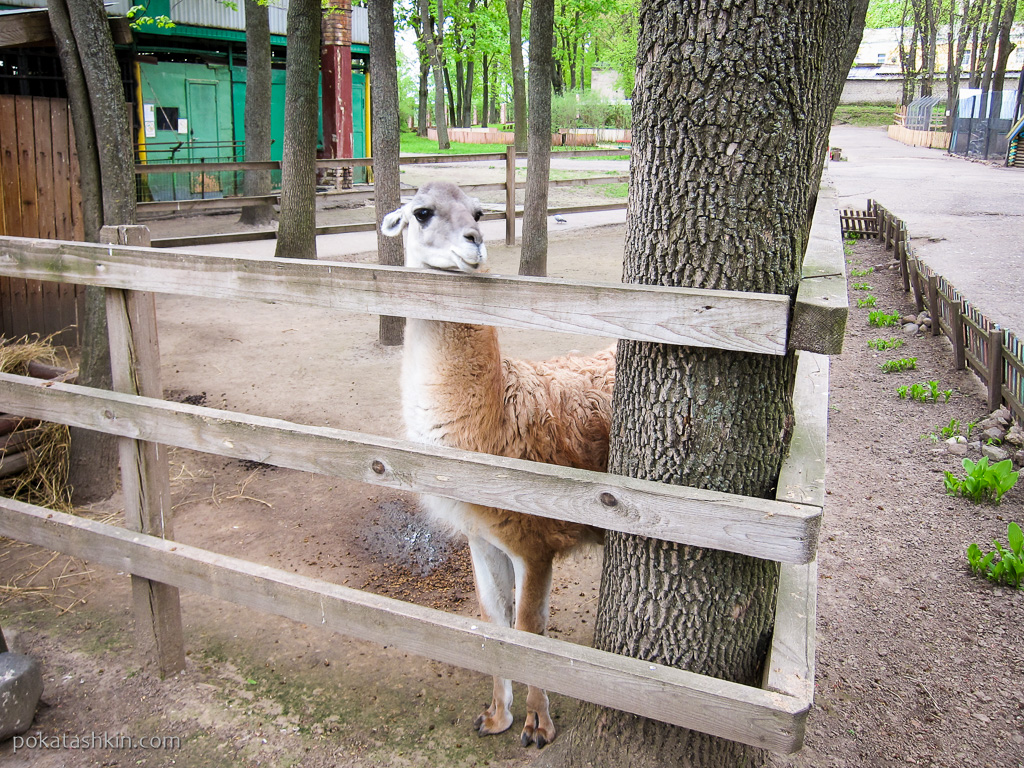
(477, 215)
(423, 215)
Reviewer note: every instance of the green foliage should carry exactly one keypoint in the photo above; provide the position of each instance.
(588, 110)
(137, 18)
(862, 287)
(895, 366)
(924, 392)
(883, 344)
(861, 272)
(1009, 567)
(866, 115)
(881, 319)
(983, 482)
(867, 301)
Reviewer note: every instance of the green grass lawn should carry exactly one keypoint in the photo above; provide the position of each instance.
(420, 145)
(864, 114)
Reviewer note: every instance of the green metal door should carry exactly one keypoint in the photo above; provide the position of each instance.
(359, 123)
(203, 134)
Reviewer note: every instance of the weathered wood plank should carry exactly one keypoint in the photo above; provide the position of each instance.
(790, 667)
(10, 191)
(739, 713)
(732, 320)
(802, 477)
(772, 530)
(822, 305)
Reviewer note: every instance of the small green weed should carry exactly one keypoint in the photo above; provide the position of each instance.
(883, 344)
(1009, 568)
(861, 272)
(862, 287)
(868, 301)
(983, 482)
(924, 392)
(881, 319)
(953, 429)
(895, 366)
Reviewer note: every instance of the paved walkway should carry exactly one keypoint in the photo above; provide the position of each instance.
(965, 218)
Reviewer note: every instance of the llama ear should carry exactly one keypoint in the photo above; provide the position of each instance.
(395, 222)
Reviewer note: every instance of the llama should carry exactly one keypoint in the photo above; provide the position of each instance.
(458, 391)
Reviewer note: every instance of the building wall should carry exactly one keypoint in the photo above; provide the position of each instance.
(890, 91)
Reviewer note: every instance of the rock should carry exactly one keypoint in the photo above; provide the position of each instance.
(21, 685)
(1003, 413)
(995, 453)
(955, 448)
(1015, 436)
(1018, 458)
(906, 319)
(910, 329)
(993, 433)
(922, 318)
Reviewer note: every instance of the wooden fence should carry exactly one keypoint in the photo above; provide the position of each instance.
(509, 187)
(39, 197)
(995, 354)
(784, 529)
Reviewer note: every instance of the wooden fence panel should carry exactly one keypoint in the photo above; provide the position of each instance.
(38, 198)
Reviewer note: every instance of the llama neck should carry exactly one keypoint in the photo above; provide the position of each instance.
(451, 384)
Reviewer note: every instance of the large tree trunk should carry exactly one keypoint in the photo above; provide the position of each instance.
(485, 104)
(424, 89)
(296, 233)
(104, 145)
(433, 38)
(386, 179)
(534, 257)
(257, 110)
(721, 194)
(514, 9)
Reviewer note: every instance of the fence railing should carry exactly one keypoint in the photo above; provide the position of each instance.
(784, 529)
(509, 186)
(995, 354)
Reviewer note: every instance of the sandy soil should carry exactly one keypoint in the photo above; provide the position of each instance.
(918, 662)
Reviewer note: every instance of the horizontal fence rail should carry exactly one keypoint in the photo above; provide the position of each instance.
(771, 530)
(734, 320)
(995, 354)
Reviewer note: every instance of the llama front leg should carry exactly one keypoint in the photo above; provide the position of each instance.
(495, 590)
(533, 590)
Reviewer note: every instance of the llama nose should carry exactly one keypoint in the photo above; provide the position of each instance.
(473, 235)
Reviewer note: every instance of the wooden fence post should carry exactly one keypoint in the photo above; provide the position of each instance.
(934, 308)
(994, 366)
(903, 253)
(957, 312)
(145, 473)
(914, 266)
(510, 195)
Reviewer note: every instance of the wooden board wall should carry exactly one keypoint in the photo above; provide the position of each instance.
(39, 197)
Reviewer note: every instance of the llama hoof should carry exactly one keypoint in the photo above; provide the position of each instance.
(489, 724)
(534, 733)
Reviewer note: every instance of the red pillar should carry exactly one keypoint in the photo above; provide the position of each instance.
(336, 71)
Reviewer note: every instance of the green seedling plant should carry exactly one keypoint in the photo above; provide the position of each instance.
(883, 344)
(868, 301)
(862, 287)
(1009, 567)
(861, 272)
(895, 366)
(925, 392)
(882, 319)
(984, 482)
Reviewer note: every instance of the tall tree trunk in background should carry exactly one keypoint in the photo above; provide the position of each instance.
(386, 178)
(485, 104)
(432, 39)
(296, 232)
(514, 9)
(721, 196)
(452, 119)
(534, 257)
(106, 165)
(257, 110)
(1001, 58)
(424, 89)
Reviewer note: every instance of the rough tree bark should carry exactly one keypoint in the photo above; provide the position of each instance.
(296, 233)
(731, 116)
(104, 146)
(534, 257)
(257, 110)
(514, 10)
(433, 37)
(386, 178)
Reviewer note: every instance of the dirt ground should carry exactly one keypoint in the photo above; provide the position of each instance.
(918, 662)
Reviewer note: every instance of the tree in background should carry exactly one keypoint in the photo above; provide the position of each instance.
(296, 233)
(534, 256)
(386, 128)
(433, 33)
(257, 110)
(104, 145)
(514, 9)
(728, 144)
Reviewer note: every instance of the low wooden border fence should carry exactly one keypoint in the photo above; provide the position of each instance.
(510, 185)
(995, 354)
(784, 529)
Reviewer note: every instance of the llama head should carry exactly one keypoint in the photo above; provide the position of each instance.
(443, 230)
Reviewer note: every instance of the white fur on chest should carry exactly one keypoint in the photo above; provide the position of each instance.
(421, 405)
